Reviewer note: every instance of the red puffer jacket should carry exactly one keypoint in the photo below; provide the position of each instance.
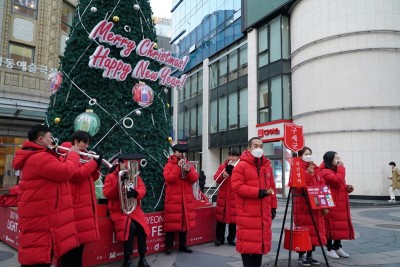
(226, 204)
(301, 213)
(179, 214)
(253, 214)
(121, 220)
(338, 223)
(46, 217)
(84, 200)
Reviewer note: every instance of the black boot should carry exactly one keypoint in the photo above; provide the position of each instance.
(143, 263)
(128, 264)
(185, 249)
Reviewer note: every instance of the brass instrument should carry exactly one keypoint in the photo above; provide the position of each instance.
(128, 205)
(230, 163)
(183, 167)
(90, 155)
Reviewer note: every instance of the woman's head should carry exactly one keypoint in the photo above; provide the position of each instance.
(330, 159)
(305, 154)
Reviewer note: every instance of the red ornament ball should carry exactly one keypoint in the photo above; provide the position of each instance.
(143, 94)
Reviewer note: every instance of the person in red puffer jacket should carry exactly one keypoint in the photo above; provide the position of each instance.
(254, 187)
(338, 223)
(302, 216)
(131, 223)
(179, 213)
(45, 214)
(226, 204)
(84, 200)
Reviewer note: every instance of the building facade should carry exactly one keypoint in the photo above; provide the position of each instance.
(330, 66)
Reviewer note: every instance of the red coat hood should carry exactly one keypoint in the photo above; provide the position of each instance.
(28, 149)
(173, 159)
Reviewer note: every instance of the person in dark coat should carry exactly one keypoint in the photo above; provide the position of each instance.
(132, 223)
(226, 204)
(202, 181)
(338, 223)
(179, 213)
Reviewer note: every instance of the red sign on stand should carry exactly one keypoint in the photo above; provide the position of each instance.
(293, 137)
(320, 197)
(297, 178)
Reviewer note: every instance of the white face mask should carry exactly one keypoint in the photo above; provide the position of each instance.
(307, 158)
(257, 153)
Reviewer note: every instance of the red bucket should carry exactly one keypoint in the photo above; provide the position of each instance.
(301, 240)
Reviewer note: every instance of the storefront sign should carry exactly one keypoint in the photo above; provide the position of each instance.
(269, 132)
(9, 63)
(320, 197)
(293, 137)
(118, 70)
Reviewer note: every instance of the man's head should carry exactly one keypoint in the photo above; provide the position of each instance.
(41, 135)
(81, 139)
(179, 150)
(392, 164)
(255, 146)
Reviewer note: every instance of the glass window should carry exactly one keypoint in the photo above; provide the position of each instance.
(233, 110)
(285, 38)
(223, 70)
(67, 17)
(273, 149)
(276, 98)
(263, 115)
(186, 94)
(186, 125)
(200, 120)
(263, 100)
(20, 52)
(182, 92)
(214, 75)
(243, 111)
(193, 122)
(263, 39)
(200, 81)
(222, 116)
(233, 65)
(193, 85)
(180, 126)
(286, 97)
(275, 50)
(243, 60)
(213, 116)
(27, 8)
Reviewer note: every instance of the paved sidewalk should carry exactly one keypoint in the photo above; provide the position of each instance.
(377, 243)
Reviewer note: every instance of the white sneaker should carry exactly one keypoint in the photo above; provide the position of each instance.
(332, 254)
(392, 200)
(340, 252)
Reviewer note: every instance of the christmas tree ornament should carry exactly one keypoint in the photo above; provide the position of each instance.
(166, 90)
(57, 120)
(136, 6)
(88, 122)
(143, 94)
(138, 112)
(115, 19)
(93, 9)
(127, 122)
(55, 79)
(169, 139)
(155, 45)
(127, 28)
(168, 105)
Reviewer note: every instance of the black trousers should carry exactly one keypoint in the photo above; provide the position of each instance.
(336, 244)
(251, 260)
(169, 239)
(73, 258)
(135, 229)
(37, 265)
(220, 232)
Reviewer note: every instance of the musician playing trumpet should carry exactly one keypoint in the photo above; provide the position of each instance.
(84, 201)
(226, 205)
(134, 223)
(179, 214)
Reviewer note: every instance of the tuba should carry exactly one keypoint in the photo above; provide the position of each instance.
(127, 179)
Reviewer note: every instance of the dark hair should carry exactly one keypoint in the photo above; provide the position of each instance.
(251, 140)
(234, 152)
(328, 158)
(392, 163)
(81, 136)
(303, 150)
(36, 131)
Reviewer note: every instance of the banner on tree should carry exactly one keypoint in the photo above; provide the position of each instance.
(117, 69)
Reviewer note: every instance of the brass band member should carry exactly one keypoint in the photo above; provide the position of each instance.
(179, 201)
(127, 225)
(226, 205)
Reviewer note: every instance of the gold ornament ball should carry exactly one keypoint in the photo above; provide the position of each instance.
(168, 105)
(115, 19)
(57, 120)
(155, 45)
(169, 139)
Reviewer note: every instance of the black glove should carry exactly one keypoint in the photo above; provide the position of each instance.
(262, 193)
(229, 169)
(99, 159)
(132, 193)
(273, 213)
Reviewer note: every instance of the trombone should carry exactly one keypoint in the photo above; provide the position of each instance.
(230, 163)
(90, 155)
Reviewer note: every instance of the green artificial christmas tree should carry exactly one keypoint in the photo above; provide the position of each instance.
(108, 54)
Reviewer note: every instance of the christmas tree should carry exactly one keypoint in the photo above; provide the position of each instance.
(110, 52)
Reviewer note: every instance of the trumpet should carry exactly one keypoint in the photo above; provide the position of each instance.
(128, 205)
(230, 163)
(85, 154)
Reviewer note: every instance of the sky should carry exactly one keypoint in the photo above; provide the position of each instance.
(161, 8)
